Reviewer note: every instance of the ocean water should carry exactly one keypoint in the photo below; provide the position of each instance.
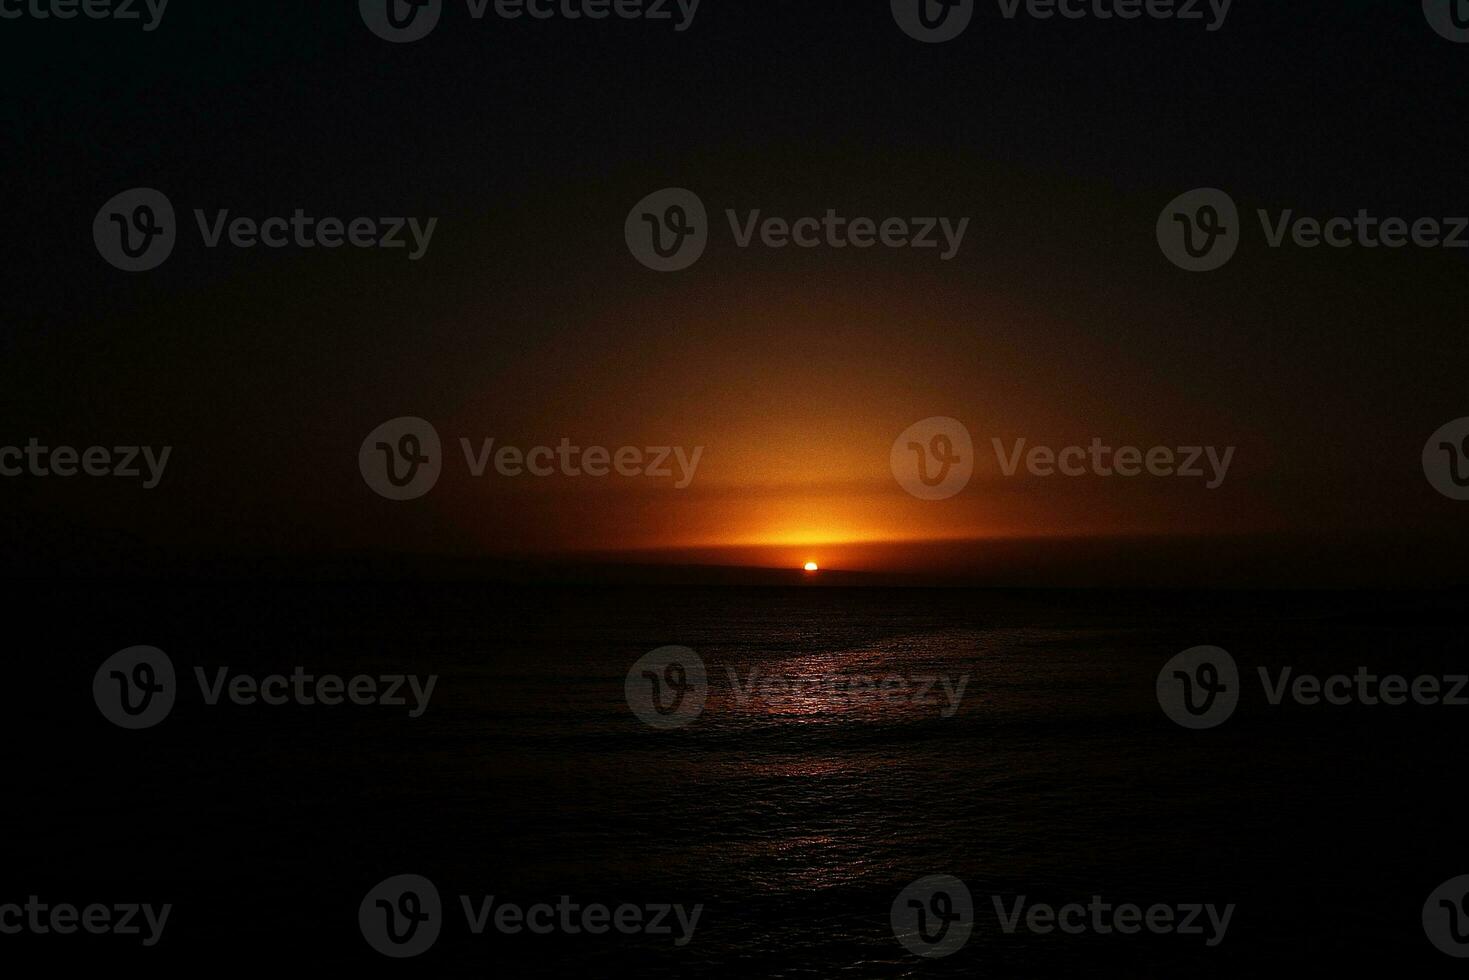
(1037, 767)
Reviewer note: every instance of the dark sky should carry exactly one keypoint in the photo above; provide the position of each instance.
(528, 320)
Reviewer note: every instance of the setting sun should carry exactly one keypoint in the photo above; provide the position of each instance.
(810, 566)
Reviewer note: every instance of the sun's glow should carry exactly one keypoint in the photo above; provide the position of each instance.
(811, 566)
